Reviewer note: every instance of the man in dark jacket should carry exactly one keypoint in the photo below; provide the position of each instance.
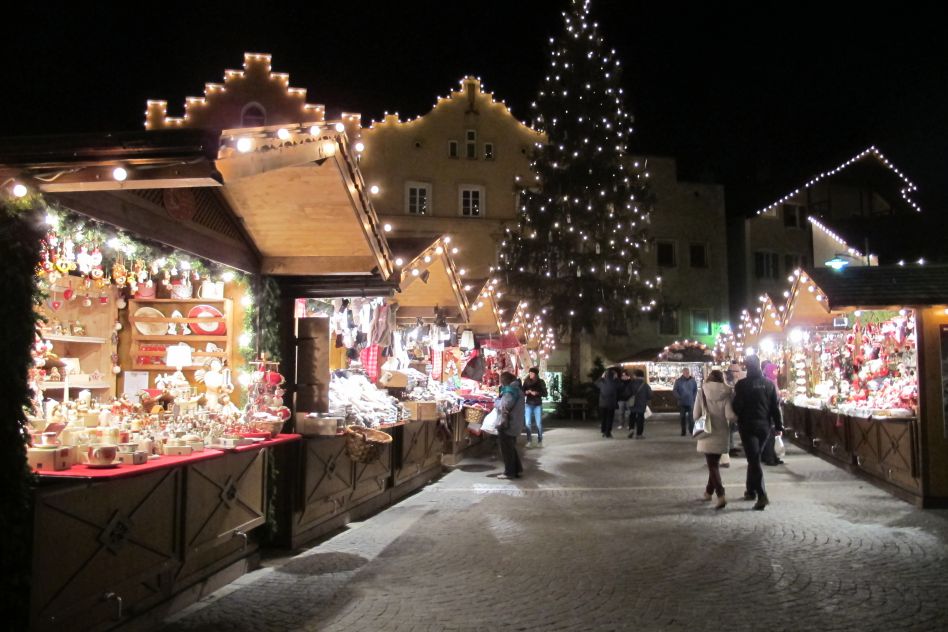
(535, 390)
(757, 407)
(640, 394)
(608, 400)
(685, 390)
(509, 408)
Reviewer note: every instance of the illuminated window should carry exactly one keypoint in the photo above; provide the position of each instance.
(418, 198)
(471, 200)
(700, 322)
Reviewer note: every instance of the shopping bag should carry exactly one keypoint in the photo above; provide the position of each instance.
(779, 448)
(702, 428)
(725, 460)
(648, 412)
(489, 424)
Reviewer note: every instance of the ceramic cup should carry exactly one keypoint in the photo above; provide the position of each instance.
(127, 448)
(101, 454)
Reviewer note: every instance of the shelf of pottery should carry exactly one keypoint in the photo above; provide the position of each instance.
(77, 345)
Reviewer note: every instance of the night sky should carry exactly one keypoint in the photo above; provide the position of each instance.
(756, 96)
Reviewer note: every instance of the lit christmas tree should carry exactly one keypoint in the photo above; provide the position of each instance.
(582, 225)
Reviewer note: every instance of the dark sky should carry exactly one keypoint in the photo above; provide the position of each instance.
(747, 94)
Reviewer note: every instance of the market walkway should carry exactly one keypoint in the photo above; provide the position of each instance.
(610, 535)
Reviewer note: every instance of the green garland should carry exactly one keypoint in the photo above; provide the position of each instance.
(20, 236)
(263, 317)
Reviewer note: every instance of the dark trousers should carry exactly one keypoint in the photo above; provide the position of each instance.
(508, 449)
(715, 484)
(607, 415)
(769, 453)
(754, 436)
(687, 422)
(637, 422)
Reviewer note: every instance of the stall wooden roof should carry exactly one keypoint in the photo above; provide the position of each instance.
(901, 286)
(302, 198)
(429, 280)
(485, 317)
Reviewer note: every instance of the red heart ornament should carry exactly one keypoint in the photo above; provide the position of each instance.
(56, 305)
(69, 294)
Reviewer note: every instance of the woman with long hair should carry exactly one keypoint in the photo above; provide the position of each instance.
(714, 402)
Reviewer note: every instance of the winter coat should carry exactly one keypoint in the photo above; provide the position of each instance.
(537, 385)
(719, 410)
(510, 409)
(625, 389)
(755, 399)
(642, 393)
(608, 392)
(685, 391)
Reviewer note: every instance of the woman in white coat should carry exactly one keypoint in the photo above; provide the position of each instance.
(714, 401)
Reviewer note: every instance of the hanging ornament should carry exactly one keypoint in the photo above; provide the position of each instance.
(597, 247)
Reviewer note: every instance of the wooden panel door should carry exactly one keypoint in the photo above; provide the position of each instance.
(104, 551)
(371, 479)
(897, 453)
(225, 498)
(830, 432)
(327, 484)
(865, 437)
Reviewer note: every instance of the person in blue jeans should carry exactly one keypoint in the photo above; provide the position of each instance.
(685, 390)
(534, 388)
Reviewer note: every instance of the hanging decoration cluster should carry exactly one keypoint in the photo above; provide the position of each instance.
(582, 225)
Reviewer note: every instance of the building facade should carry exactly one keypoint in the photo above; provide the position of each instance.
(453, 171)
(849, 215)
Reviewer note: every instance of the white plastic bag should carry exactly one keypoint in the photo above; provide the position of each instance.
(489, 424)
(648, 412)
(779, 448)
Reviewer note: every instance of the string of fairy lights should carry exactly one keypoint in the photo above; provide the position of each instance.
(584, 226)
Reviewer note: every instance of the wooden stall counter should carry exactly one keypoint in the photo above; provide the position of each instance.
(111, 544)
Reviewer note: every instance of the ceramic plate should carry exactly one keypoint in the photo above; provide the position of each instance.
(209, 329)
(150, 329)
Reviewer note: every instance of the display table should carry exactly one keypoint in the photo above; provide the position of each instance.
(663, 401)
(882, 449)
(108, 548)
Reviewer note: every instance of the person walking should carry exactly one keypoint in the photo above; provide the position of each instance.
(714, 402)
(534, 388)
(608, 400)
(641, 394)
(624, 394)
(685, 390)
(510, 412)
(757, 407)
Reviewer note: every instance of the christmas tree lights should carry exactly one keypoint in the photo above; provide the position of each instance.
(581, 231)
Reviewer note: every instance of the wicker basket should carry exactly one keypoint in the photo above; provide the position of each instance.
(474, 415)
(364, 445)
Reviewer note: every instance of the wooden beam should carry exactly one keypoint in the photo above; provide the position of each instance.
(315, 266)
(147, 221)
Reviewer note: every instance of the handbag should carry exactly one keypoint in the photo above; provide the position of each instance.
(702, 427)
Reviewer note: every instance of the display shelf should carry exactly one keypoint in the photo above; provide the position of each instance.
(196, 301)
(48, 386)
(92, 340)
(195, 338)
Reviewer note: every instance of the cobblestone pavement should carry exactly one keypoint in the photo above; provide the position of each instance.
(610, 535)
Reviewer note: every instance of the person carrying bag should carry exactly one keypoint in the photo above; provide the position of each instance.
(713, 405)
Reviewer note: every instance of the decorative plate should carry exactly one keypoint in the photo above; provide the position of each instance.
(150, 329)
(208, 329)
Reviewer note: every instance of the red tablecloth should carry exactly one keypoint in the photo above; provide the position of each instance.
(121, 470)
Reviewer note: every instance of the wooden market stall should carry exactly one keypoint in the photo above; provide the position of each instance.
(866, 351)
(115, 539)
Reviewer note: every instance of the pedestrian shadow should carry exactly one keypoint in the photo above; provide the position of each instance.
(323, 564)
